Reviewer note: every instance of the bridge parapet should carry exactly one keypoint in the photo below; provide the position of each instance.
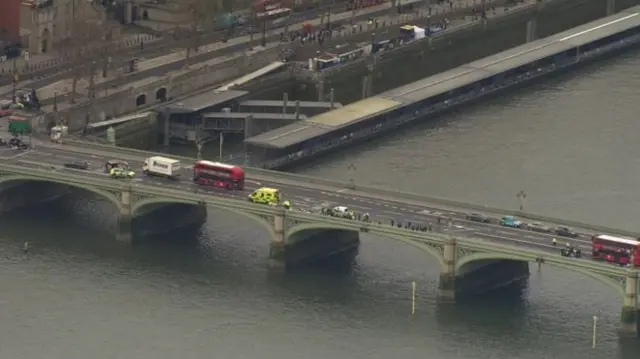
(373, 192)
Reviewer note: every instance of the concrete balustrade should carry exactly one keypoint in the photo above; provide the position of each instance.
(372, 192)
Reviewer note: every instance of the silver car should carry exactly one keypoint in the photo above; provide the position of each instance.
(538, 227)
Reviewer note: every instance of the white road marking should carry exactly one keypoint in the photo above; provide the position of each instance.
(20, 154)
(505, 232)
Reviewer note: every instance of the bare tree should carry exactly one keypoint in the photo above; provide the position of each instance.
(86, 45)
(355, 6)
(201, 16)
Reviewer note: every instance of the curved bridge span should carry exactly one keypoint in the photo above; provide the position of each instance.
(470, 256)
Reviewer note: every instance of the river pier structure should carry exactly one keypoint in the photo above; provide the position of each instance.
(426, 98)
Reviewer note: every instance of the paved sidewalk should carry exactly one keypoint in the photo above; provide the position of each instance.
(47, 60)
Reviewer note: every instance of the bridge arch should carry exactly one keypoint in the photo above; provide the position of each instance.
(514, 257)
(5, 180)
(297, 233)
(138, 207)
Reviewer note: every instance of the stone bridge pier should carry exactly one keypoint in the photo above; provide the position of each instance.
(630, 316)
(468, 272)
(124, 231)
(297, 243)
(477, 276)
(141, 216)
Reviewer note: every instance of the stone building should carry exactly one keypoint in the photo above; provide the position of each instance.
(45, 23)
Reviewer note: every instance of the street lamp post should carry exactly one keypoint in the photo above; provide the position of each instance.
(264, 24)
(522, 196)
(351, 168)
(14, 81)
(329, 16)
(198, 141)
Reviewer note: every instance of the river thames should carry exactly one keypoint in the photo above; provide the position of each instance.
(569, 143)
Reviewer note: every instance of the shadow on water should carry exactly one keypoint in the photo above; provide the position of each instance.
(480, 311)
(331, 278)
(629, 348)
(51, 231)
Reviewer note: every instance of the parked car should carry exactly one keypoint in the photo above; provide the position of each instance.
(341, 212)
(571, 252)
(510, 221)
(478, 217)
(538, 227)
(18, 144)
(565, 232)
(77, 165)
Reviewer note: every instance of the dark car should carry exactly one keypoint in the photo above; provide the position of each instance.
(477, 217)
(77, 165)
(17, 144)
(538, 227)
(565, 232)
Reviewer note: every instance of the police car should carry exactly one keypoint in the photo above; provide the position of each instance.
(341, 212)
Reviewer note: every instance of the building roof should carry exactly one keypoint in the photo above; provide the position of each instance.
(202, 101)
(256, 116)
(353, 112)
(119, 120)
(290, 104)
(322, 124)
(287, 135)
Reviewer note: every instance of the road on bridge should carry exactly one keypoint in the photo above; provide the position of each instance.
(304, 196)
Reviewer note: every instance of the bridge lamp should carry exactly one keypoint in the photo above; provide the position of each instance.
(522, 196)
(351, 168)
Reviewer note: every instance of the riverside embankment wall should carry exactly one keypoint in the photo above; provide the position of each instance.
(453, 48)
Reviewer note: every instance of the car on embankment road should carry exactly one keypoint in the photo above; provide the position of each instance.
(538, 227)
(477, 217)
(77, 165)
(565, 232)
(510, 221)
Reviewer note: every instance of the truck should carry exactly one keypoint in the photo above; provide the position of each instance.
(19, 125)
(161, 167)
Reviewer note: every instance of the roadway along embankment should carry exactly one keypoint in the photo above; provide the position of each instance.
(159, 48)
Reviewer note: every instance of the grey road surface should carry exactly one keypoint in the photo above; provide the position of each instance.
(308, 198)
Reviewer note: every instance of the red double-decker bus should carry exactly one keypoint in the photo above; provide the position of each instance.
(218, 174)
(271, 9)
(624, 251)
(361, 4)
